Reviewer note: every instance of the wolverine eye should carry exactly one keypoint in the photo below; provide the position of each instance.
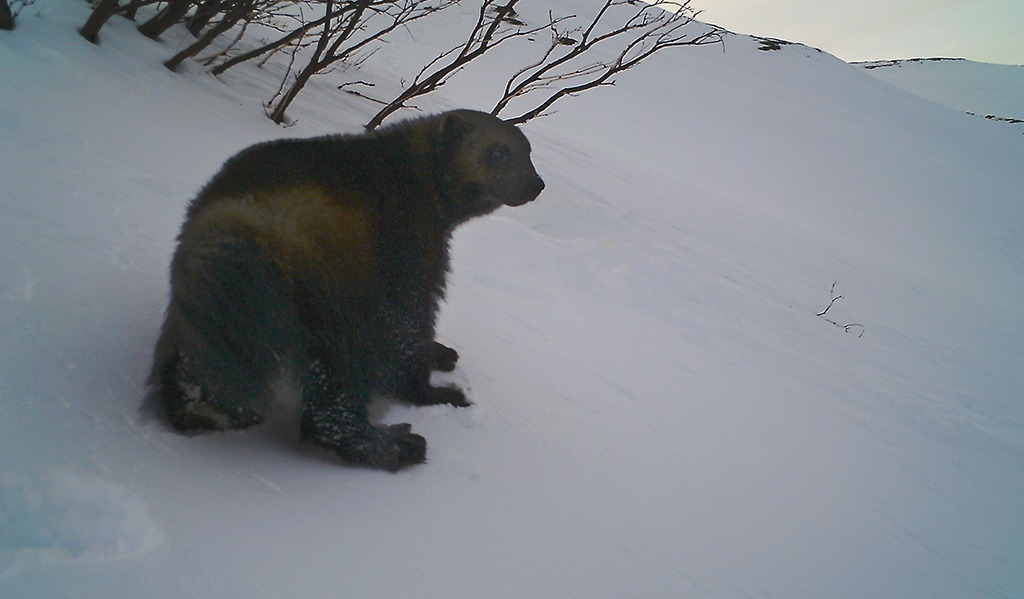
(495, 155)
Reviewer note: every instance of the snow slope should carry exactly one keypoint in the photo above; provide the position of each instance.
(981, 88)
(659, 411)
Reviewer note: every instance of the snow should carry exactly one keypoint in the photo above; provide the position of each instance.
(658, 409)
(977, 87)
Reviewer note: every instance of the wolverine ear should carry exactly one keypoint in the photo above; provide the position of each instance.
(453, 128)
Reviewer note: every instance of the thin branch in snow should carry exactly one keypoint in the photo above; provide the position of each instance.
(846, 327)
(834, 299)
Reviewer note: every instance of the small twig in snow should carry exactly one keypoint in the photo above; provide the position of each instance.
(845, 327)
(834, 298)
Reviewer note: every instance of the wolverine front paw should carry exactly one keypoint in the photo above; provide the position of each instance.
(392, 448)
(448, 395)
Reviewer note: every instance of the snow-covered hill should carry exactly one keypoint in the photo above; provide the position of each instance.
(659, 410)
(995, 91)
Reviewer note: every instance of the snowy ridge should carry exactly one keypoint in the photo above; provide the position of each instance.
(658, 409)
(993, 91)
(878, 64)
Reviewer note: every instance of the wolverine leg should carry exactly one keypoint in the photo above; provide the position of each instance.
(414, 384)
(337, 420)
(444, 360)
(227, 326)
(194, 402)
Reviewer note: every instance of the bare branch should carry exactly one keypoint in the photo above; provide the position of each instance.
(834, 299)
(335, 45)
(293, 35)
(235, 11)
(646, 31)
(845, 327)
(485, 35)
(101, 13)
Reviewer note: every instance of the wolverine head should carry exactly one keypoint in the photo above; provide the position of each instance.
(489, 162)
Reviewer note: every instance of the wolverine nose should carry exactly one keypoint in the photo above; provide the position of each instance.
(527, 193)
(537, 186)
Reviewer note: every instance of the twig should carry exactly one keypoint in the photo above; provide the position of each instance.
(845, 327)
(834, 298)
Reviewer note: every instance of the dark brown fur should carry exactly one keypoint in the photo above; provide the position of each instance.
(329, 256)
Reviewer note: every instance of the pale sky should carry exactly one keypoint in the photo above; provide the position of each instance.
(980, 30)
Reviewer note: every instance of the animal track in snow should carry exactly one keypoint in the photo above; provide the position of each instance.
(66, 515)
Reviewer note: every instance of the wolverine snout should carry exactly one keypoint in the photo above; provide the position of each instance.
(537, 186)
(531, 190)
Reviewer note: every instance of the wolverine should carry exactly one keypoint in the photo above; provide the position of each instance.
(327, 257)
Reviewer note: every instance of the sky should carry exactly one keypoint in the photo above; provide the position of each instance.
(980, 30)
